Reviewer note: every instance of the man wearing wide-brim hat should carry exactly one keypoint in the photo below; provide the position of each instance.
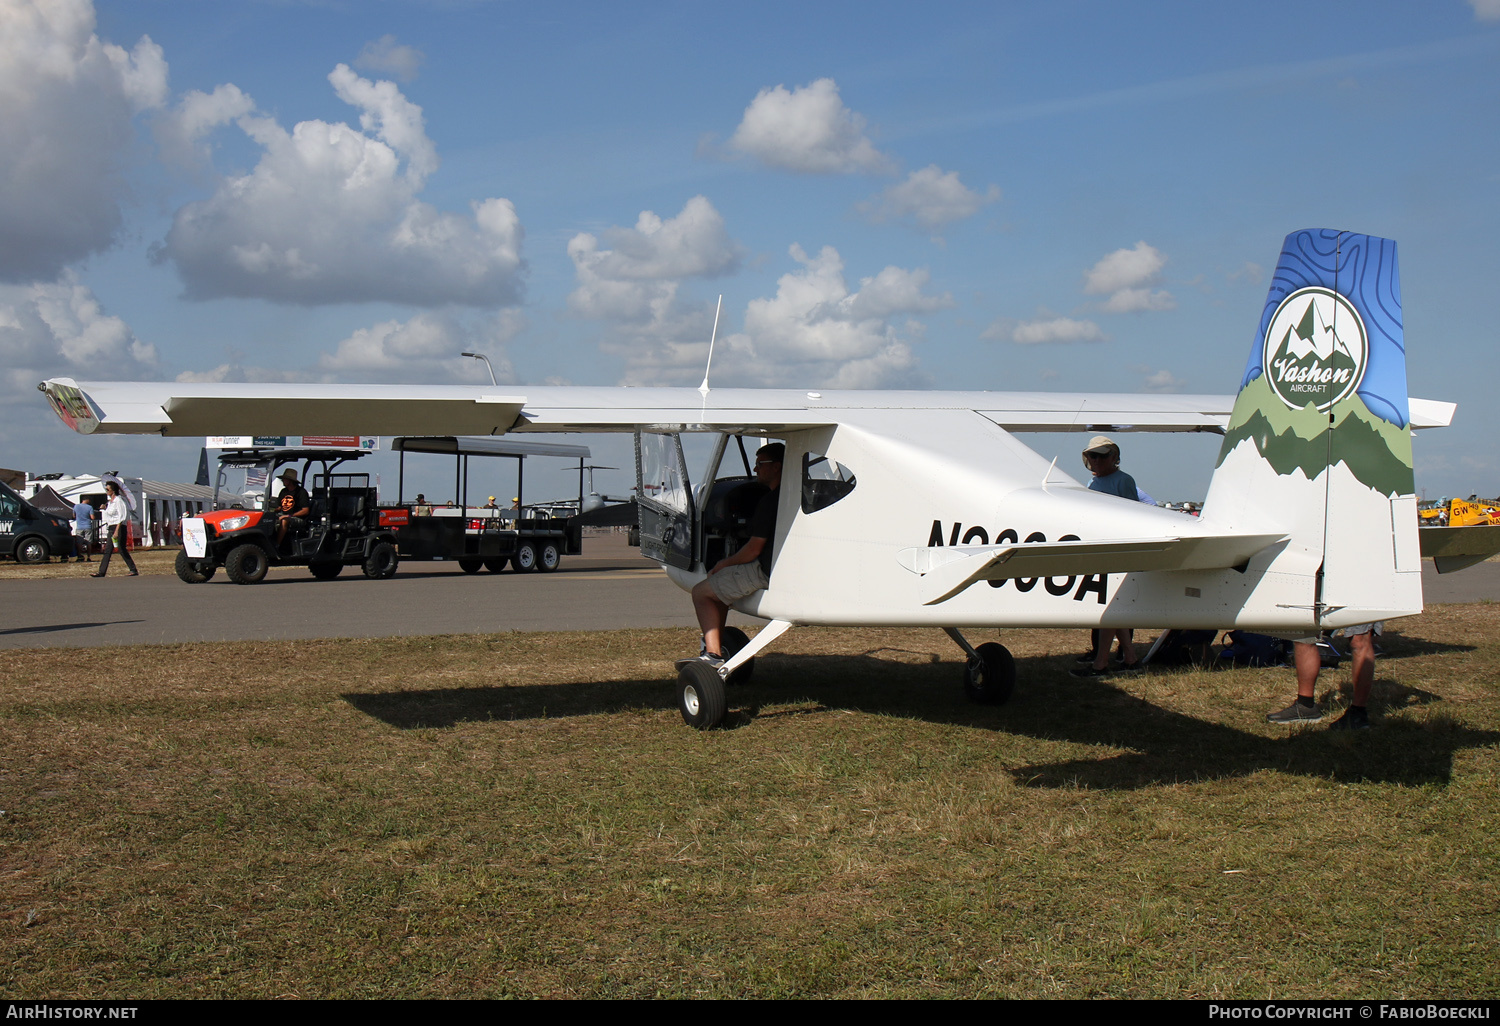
(1102, 457)
(293, 505)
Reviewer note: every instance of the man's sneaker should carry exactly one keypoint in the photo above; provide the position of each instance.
(711, 659)
(1089, 671)
(1354, 718)
(1296, 713)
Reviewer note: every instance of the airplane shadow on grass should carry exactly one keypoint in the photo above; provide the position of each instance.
(1161, 746)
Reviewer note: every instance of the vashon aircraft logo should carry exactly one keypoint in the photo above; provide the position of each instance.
(1316, 349)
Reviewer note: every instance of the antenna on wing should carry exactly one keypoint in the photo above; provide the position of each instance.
(703, 388)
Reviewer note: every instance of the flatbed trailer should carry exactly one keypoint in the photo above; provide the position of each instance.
(485, 538)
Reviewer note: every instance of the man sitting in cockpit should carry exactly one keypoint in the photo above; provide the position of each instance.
(749, 569)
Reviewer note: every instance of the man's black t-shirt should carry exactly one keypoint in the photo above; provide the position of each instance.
(763, 525)
(292, 499)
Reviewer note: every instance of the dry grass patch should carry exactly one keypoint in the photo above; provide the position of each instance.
(525, 815)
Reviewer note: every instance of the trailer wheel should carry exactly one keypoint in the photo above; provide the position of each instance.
(193, 571)
(326, 571)
(247, 564)
(32, 550)
(381, 562)
(525, 558)
(471, 566)
(548, 558)
(496, 565)
(700, 695)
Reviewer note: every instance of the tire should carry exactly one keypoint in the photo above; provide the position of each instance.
(381, 562)
(700, 695)
(548, 558)
(32, 550)
(326, 571)
(525, 558)
(471, 566)
(989, 679)
(193, 571)
(732, 639)
(496, 565)
(247, 564)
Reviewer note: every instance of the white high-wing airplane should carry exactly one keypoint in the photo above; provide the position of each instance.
(921, 508)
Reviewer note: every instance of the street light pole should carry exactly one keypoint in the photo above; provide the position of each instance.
(486, 359)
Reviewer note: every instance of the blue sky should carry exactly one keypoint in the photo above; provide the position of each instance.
(1056, 196)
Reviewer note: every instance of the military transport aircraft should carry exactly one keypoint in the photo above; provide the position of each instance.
(906, 508)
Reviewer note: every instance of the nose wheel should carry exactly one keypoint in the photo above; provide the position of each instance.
(700, 695)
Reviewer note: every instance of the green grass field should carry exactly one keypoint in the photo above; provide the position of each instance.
(526, 815)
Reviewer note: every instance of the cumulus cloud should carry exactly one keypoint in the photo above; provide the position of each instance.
(633, 284)
(1044, 330)
(181, 134)
(1124, 275)
(1486, 10)
(385, 56)
(1162, 381)
(807, 129)
(931, 198)
(427, 347)
(59, 328)
(1136, 300)
(330, 213)
(695, 243)
(67, 103)
(816, 331)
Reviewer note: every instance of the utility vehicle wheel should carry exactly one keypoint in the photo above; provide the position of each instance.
(700, 695)
(32, 550)
(471, 566)
(732, 639)
(525, 558)
(247, 564)
(381, 561)
(193, 571)
(326, 571)
(548, 558)
(497, 565)
(991, 678)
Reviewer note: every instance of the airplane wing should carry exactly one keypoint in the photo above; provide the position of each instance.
(212, 408)
(1454, 548)
(948, 571)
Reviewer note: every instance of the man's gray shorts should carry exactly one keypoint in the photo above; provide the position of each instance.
(735, 582)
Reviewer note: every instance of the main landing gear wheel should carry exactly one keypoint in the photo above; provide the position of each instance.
(991, 677)
(700, 695)
(732, 639)
(325, 571)
(193, 571)
(381, 561)
(247, 564)
(548, 558)
(525, 558)
(471, 566)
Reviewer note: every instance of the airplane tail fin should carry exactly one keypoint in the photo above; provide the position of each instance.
(1319, 441)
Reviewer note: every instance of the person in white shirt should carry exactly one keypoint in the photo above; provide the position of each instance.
(116, 530)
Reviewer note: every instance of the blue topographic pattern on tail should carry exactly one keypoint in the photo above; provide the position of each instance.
(1370, 279)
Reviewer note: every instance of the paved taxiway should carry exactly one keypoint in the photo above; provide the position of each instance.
(610, 586)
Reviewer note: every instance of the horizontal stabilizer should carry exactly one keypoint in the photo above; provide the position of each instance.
(948, 571)
(1453, 548)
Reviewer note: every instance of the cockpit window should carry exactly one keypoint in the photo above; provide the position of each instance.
(824, 482)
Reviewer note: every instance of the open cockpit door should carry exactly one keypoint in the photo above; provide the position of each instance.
(665, 498)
